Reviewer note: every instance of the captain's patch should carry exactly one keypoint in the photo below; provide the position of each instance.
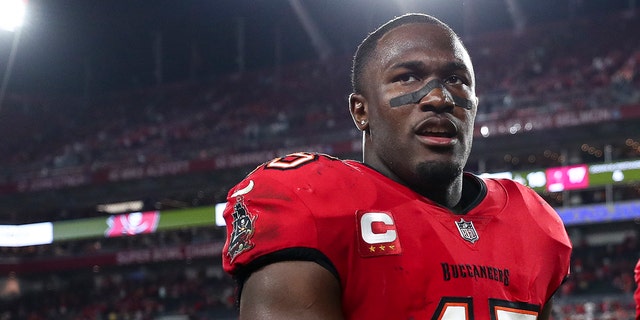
(378, 234)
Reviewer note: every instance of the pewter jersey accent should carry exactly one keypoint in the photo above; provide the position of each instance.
(397, 254)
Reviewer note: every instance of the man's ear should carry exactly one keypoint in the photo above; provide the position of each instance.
(359, 111)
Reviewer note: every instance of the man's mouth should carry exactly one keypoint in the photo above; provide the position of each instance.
(437, 131)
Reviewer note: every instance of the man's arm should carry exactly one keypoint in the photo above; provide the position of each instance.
(291, 290)
(546, 311)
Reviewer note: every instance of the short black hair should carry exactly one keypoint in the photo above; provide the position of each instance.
(367, 47)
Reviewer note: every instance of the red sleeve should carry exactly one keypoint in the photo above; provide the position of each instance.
(263, 217)
(637, 272)
(266, 216)
(636, 295)
(552, 235)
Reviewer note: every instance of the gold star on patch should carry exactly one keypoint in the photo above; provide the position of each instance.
(382, 247)
(372, 249)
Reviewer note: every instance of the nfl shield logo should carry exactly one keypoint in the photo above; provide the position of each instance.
(467, 230)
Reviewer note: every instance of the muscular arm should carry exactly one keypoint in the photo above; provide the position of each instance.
(291, 290)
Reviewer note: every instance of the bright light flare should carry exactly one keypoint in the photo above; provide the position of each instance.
(12, 14)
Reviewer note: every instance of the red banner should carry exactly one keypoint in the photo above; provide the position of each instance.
(130, 224)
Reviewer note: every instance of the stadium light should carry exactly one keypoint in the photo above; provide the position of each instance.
(12, 14)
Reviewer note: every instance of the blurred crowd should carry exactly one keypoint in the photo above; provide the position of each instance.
(575, 65)
(601, 283)
(600, 286)
(192, 290)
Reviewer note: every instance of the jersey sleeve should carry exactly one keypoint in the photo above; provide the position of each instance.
(263, 216)
(552, 235)
(636, 294)
(538, 239)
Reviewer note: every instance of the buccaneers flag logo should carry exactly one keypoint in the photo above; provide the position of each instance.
(132, 224)
(240, 239)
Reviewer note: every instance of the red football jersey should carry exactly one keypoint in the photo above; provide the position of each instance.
(397, 254)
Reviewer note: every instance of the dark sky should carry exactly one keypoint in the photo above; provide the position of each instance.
(110, 43)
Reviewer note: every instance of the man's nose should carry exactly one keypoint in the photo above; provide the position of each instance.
(437, 100)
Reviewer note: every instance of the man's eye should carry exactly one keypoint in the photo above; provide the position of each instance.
(406, 78)
(453, 80)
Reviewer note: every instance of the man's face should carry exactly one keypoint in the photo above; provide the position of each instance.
(429, 140)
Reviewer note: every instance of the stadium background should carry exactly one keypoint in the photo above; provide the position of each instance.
(113, 108)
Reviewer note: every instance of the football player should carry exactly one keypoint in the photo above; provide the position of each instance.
(406, 233)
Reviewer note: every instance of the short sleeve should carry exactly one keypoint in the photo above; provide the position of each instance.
(263, 216)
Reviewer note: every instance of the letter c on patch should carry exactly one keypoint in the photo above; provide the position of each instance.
(366, 225)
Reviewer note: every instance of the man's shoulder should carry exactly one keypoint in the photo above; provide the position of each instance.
(307, 164)
(304, 171)
(511, 187)
(528, 208)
